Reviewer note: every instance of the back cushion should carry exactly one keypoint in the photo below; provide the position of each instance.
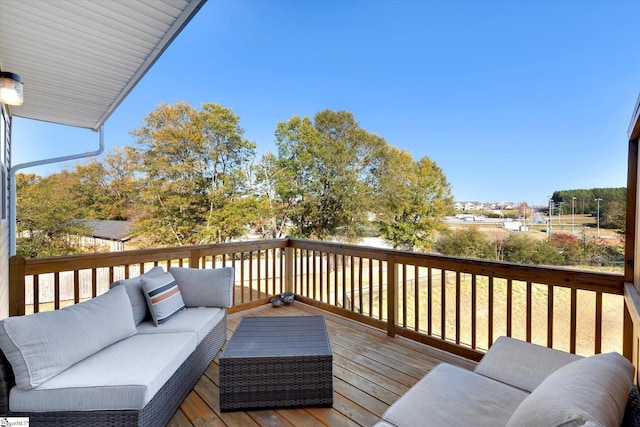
(209, 287)
(40, 346)
(134, 290)
(589, 392)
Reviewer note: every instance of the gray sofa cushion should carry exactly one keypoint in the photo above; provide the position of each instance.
(210, 287)
(450, 396)
(40, 346)
(521, 364)
(199, 320)
(588, 392)
(125, 375)
(163, 297)
(134, 290)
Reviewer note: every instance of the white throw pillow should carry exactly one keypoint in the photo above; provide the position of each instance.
(588, 392)
(40, 346)
(209, 287)
(163, 297)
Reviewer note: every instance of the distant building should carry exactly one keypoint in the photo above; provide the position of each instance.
(111, 235)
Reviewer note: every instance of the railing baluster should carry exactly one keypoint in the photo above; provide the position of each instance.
(574, 323)
(490, 312)
(429, 300)
(404, 295)
(94, 282)
(474, 311)
(529, 312)
(443, 304)
(416, 298)
(76, 286)
(598, 324)
(458, 307)
(550, 298)
(36, 294)
(509, 306)
(56, 290)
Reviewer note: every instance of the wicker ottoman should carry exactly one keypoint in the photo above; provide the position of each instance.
(277, 362)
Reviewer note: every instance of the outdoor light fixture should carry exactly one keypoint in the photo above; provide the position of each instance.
(10, 88)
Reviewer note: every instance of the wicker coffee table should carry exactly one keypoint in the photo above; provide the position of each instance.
(277, 362)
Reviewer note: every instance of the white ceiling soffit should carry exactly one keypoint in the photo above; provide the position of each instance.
(79, 59)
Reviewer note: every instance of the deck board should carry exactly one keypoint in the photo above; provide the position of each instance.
(371, 371)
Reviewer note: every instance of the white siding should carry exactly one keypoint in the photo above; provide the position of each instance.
(4, 269)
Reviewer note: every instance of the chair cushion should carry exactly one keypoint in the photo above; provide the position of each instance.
(588, 392)
(521, 364)
(198, 320)
(40, 346)
(452, 396)
(123, 376)
(210, 287)
(163, 297)
(134, 290)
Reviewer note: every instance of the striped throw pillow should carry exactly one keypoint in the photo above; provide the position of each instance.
(163, 297)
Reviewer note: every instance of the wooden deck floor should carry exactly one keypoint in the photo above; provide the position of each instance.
(370, 371)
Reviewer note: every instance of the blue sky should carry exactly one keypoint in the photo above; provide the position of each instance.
(512, 99)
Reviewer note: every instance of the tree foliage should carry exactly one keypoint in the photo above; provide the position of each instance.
(412, 197)
(192, 183)
(46, 215)
(323, 172)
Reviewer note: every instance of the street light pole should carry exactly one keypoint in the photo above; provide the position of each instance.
(598, 218)
(573, 215)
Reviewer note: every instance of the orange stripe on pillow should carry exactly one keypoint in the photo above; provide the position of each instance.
(164, 296)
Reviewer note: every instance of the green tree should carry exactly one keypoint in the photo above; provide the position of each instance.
(194, 175)
(107, 188)
(324, 174)
(465, 242)
(46, 214)
(412, 198)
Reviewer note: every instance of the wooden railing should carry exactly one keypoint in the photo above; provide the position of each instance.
(458, 305)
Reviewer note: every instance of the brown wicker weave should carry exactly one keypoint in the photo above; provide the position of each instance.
(277, 362)
(156, 413)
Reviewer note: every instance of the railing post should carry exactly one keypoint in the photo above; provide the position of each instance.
(627, 334)
(194, 259)
(288, 269)
(16, 285)
(392, 312)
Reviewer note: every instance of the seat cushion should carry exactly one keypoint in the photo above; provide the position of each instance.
(163, 297)
(521, 364)
(589, 392)
(200, 320)
(210, 287)
(125, 375)
(450, 396)
(136, 296)
(40, 346)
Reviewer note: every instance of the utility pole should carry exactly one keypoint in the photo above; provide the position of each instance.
(598, 218)
(573, 215)
(550, 217)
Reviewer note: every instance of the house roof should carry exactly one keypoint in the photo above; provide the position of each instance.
(80, 59)
(111, 230)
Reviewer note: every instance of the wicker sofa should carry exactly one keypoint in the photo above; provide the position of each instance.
(518, 384)
(128, 357)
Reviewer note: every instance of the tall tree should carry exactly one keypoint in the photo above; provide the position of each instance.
(412, 197)
(324, 173)
(107, 188)
(193, 184)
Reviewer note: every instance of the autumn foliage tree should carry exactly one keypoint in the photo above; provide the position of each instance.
(192, 183)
